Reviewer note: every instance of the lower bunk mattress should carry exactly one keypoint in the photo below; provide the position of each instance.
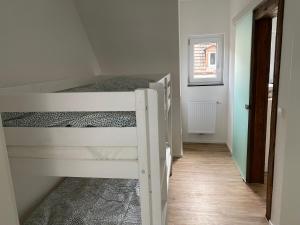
(84, 201)
(82, 119)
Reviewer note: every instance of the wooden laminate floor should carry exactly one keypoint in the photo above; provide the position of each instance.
(206, 189)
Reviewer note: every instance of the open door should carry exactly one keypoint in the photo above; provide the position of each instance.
(251, 84)
(243, 45)
(261, 48)
(8, 209)
(260, 71)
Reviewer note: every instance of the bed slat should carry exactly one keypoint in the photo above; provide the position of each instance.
(71, 137)
(123, 169)
(68, 102)
(73, 153)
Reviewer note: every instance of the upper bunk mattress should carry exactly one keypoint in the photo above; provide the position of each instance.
(82, 119)
(84, 201)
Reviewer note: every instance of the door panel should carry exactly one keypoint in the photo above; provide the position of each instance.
(259, 99)
(243, 46)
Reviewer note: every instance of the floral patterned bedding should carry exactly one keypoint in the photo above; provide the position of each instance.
(84, 201)
(82, 119)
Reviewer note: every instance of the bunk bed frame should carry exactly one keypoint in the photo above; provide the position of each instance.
(148, 139)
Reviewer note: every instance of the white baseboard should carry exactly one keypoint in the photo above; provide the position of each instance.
(205, 142)
(239, 169)
(202, 141)
(270, 222)
(229, 147)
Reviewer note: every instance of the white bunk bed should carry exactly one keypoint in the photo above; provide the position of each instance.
(140, 152)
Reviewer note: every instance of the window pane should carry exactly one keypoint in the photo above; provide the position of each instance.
(212, 59)
(204, 59)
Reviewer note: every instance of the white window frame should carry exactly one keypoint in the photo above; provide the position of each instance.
(209, 79)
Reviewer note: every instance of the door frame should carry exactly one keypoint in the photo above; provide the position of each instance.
(256, 158)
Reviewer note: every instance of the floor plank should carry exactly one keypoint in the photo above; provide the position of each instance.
(206, 189)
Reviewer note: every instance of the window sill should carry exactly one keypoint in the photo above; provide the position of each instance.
(204, 85)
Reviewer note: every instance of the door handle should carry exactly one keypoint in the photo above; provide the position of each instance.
(247, 107)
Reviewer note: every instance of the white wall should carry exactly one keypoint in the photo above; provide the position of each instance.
(132, 37)
(31, 190)
(291, 182)
(286, 201)
(200, 17)
(8, 210)
(236, 6)
(42, 40)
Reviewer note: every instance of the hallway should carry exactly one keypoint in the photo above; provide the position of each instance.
(206, 189)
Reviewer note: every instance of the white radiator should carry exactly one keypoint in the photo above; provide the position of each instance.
(202, 117)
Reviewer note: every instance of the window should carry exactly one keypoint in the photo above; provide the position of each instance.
(206, 60)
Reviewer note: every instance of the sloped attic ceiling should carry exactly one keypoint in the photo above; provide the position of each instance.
(132, 36)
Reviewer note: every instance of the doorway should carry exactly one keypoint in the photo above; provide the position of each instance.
(264, 86)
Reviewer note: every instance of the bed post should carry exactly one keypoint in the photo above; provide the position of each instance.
(143, 156)
(157, 151)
